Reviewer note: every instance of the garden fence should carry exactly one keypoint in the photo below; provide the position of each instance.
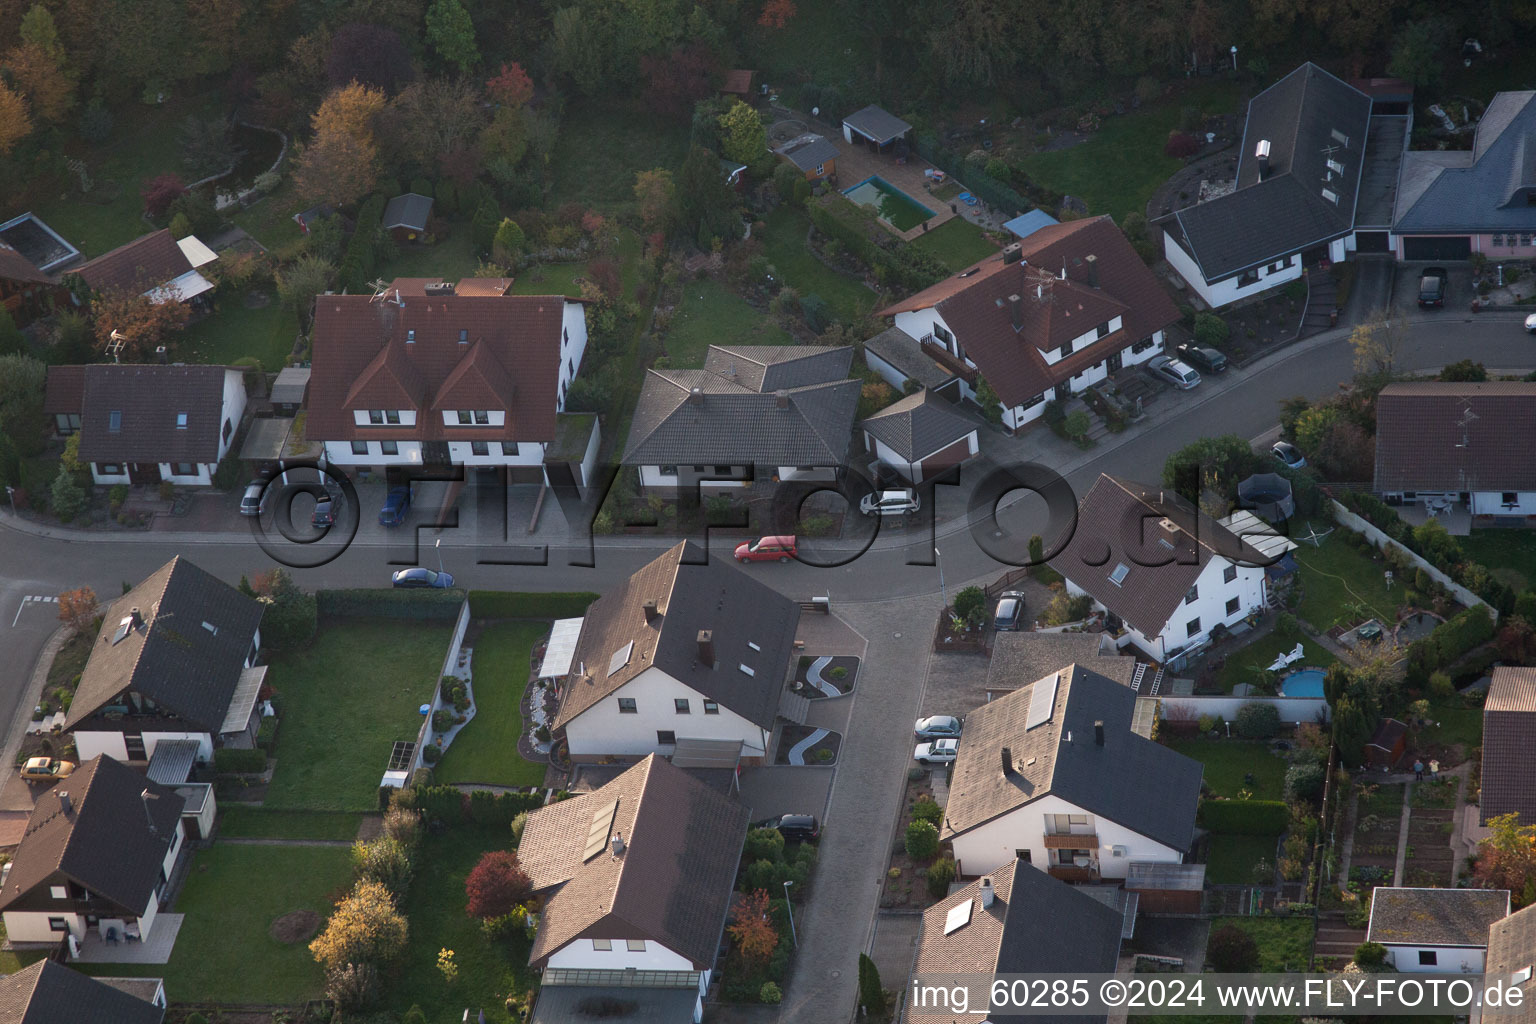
(980, 184)
(1344, 517)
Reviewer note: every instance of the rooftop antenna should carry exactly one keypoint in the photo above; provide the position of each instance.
(115, 345)
(1468, 417)
(145, 797)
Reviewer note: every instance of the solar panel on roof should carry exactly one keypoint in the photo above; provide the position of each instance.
(958, 917)
(620, 657)
(597, 835)
(1042, 701)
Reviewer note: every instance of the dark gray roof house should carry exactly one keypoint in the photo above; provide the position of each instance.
(147, 412)
(410, 211)
(1128, 779)
(918, 425)
(1509, 737)
(876, 124)
(181, 640)
(654, 619)
(775, 406)
(1297, 177)
(1473, 436)
(1435, 917)
(1490, 188)
(1512, 954)
(1016, 920)
(50, 993)
(808, 152)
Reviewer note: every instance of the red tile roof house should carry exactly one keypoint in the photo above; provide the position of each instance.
(143, 424)
(25, 291)
(638, 875)
(1048, 316)
(425, 373)
(157, 265)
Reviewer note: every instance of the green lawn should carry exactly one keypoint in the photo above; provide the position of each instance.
(711, 314)
(234, 332)
(549, 279)
(1118, 169)
(958, 243)
(144, 144)
(489, 971)
(345, 700)
(784, 245)
(10, 962)
(1343, 585)
(260, 823)
(224, 952)
(1228, 763)
(600, 149)
(486, 749)
(1510, 554)
(1285, 943)
(1241, 665)
(269, 219)
(1452, 724)
(452, 257)
(1232, 857)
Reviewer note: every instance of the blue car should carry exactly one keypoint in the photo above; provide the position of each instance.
(421, 579)
(396, 505)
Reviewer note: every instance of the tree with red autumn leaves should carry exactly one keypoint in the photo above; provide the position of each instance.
(497, 885)
(511, 86)
(160, 192)
(753, 928)
(142, 324)
(675, 81)
(777, 13)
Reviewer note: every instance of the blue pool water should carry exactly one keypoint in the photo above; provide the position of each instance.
(890, 203)
(1306, 683)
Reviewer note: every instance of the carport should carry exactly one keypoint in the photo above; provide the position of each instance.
(700, 753)
(1440, 248)
(266, 439)
(875, 127)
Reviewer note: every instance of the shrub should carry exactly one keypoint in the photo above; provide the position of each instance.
(1232, 950)
(383, 860)
(927, 810)
(764, 844)
(1205, 723)
(770, 994)
(403, 825)
(1440, 686)
(1287, 626)
(442, 720)
(1211, 330)
(939, 877)
(1304, 782)
(922, 840)
(365, 928)
(496, 885)
(160, 192)
(1370, 954)
(1181, 145)
(871, 993)
(500, 604)
(518, 824)
(1064, 608)
(971, 605)
(1257, 721)
(432, 754)
(238, 761)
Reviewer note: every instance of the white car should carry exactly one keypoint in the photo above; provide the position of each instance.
(1170, 371)
(1530, 323)
(890, 503)
(937, 752)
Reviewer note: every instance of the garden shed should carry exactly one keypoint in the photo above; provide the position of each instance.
(1167, 888)
(1388, 745)
(874, 126)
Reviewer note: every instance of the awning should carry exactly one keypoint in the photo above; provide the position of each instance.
(195, 251)
(188, 286)
(1258, 534)
(561, 649)
(171, 763)
(695, 753)
(244, 700)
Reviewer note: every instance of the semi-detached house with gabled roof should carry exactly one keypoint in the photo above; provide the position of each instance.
(639, 875)
(687, 659)
(175, 660)
(50, 993)
(1165, 573)
(1053, 774)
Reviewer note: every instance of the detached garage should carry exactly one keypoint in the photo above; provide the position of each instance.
(1438, 248)
(920, 436)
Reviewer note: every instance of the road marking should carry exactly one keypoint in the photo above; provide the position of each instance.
(31, 599)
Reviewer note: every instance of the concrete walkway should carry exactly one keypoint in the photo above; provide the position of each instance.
(813, 676)
(1402, 835)
(797, 752)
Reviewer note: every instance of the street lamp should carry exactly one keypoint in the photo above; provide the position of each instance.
(10, 492)
(1234, 56)
(938, 558)
(789, 910)
(438, 544)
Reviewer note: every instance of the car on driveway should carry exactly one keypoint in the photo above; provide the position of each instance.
(1432, 288)
(937, 751)
(327, 508)
(767, 549)
(1170, 371)
(421, 579)
(899, 502)
(254, 500)
(797, 828)
(1288, 455)
(1207, 359)
(1009, 617)
(936, 727)
(396, 504)
(46, 769)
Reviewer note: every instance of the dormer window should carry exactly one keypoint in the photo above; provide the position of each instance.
(1066, 349)
(376, 417)
(181, 421)
(482, 418)
(1102, 330)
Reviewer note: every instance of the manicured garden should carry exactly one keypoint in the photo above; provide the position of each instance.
(1251, 664)
(711, 314)
(225, 951)
(236, 821)
(486, 749)
(1343, 586)
(1285, 943)
(784, 244)
(236, 331)
(957, 243)
(1233, 765)
(346, 698)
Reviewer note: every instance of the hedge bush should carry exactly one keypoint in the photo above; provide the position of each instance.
(1257, 721)
(506, 604)
(1245, 817)
(419, 605)
(894, 262)
(237, 761)
(1449, 558)
(1449, 641)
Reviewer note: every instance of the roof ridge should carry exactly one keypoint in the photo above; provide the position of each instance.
(149, 623)
(1199, 535)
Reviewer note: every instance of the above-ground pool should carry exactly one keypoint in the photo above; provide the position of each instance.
(1306, 683)
(890, 203)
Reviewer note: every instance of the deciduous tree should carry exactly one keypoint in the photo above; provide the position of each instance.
(215, 28)
(365, 928)
(1517, 641)
(742, 134)
(1378, 344)
(78, 609)
(675, 81)
(777, 13)
(40, 74)
(340, 164)
(160, 192)
(370, 55)
(142, 323)
(22, 381)
(1507, 858)
(15, 121)
(655, 193)
(511, 86)
(300, 281)
(438, 119)
(507, 246)
(496, 885)
(452, 34)
(753, 928)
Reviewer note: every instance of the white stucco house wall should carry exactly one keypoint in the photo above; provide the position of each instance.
(1435, 931)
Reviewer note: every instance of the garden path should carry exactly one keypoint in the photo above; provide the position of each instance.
(1402, 834)
(797, 752)
(813, 676)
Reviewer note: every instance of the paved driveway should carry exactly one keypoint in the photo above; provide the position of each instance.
(1458, 289)
(780, 789)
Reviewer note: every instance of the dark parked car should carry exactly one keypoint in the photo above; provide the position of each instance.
(1207, 359)
(1432, 288)
(1010, 612)
(396, 505)
(326, 511)
(794, 827)
(421, 579)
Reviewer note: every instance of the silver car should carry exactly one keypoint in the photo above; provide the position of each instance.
(1170, 371)
(937, 752)
(936, 727)
(890, 503)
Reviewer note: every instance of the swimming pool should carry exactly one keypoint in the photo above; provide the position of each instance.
(1306, 683)
(890, 203)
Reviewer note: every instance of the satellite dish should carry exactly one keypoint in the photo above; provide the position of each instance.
(815, 111)
(1082, 862)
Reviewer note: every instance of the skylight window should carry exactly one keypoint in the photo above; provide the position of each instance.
(1332, 196)
(754, 646)
(1118, 576)
(747, 669)
(115, 421)
(181, 421)
(1521, 976)
(620, 657)
(210, 627)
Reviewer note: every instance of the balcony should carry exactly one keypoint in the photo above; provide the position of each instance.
(1072, 841)
(947, 359)
(1067, 873)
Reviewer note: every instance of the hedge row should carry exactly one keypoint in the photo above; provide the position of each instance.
(895, 263)
(1451, 560)
(481, 807)
(981, 184)
(237, 761)
(1449, 641)
(420, 605)
(357, 264)
(1245, 817)
(506, 604)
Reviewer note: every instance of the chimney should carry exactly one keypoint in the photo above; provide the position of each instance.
(696, 395)
(1016, 305)
(987, 895)
(650, 610)
(618, 844)
(64, 807)
(160, 356)
(781, 399)
(1098, 732)
(138, 620)
(1093, 270)
(707, 648)
(1261, 153)
(1013, 253)
(1007, 761)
